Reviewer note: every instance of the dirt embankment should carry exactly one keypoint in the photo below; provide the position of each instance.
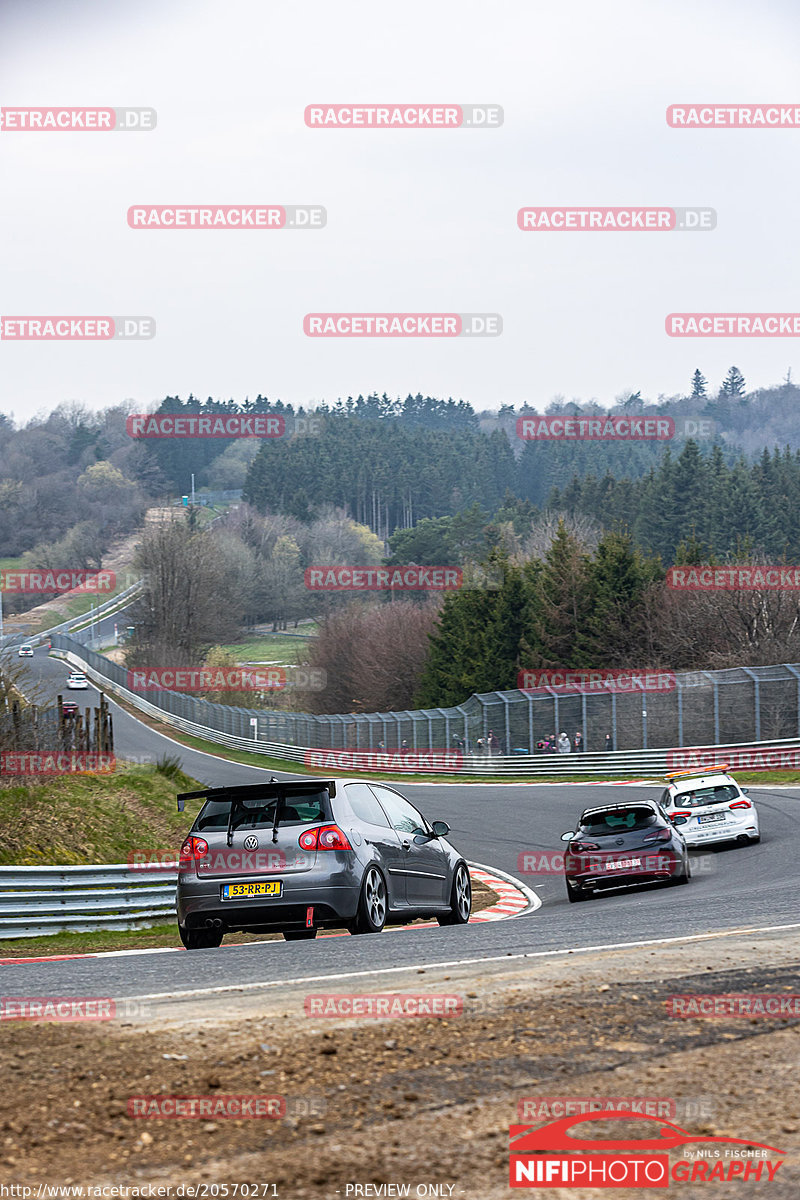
(409, 1101)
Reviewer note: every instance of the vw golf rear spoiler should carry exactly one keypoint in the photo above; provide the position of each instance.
(296, 787)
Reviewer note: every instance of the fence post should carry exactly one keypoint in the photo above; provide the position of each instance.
(797, 677)
(756, 698)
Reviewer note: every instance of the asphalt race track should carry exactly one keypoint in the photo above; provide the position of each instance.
(732, 888)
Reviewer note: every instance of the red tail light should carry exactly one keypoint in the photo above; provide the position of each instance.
(660, 835)
(679, 813)
(324, 837)
(581, 847)
(193, 849)
(740, 804)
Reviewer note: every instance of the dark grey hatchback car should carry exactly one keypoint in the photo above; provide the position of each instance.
(297, 855)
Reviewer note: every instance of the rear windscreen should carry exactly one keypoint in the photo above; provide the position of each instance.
(255, 813)
(707, 795)
(622, 820)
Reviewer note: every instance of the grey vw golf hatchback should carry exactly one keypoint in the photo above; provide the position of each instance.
(297, 855)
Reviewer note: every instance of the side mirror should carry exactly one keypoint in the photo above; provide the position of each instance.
(746, 791)
(567, 837)
(440, 829)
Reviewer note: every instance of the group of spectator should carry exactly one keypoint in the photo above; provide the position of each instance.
(563, 745)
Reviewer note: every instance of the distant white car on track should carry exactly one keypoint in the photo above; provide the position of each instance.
(76, 680)
(25, 650)
(709, 806)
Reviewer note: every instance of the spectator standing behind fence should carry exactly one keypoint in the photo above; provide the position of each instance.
(609, 743)
(577, 741)
(563, 744)
(405, 748)
(494, 742)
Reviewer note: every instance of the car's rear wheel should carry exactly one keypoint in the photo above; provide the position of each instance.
(372, 904)
(200, 939)
(460, 898)
(299, 935)
(684, 876)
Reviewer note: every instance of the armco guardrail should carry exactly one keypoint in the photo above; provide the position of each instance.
(343, 760)
(36, 901)
(112, 605)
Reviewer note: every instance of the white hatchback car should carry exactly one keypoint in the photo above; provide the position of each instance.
(77, 680)
(25, 650)
(710, 806)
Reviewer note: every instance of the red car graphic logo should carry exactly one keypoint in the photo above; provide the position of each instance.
(526, 1139)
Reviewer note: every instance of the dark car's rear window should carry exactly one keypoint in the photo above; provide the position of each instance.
(620, 820)
(307, 809)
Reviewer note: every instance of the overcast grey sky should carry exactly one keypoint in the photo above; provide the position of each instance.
(417, 220)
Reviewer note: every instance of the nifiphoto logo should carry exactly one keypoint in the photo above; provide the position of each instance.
(403, 116)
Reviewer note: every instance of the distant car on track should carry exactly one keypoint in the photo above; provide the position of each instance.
(69, 708)
(709, 806)
(293, 856)
(76, 680)
(25, 650)
(621, 845)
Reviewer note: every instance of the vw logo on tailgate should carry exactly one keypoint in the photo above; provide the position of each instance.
(251, 842)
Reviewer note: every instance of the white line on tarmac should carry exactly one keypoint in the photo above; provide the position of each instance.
(460, 962)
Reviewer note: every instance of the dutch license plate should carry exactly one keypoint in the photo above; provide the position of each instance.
(619, 863)
(711, 817)
(235, 891)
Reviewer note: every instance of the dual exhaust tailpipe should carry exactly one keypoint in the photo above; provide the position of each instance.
(213, 923)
